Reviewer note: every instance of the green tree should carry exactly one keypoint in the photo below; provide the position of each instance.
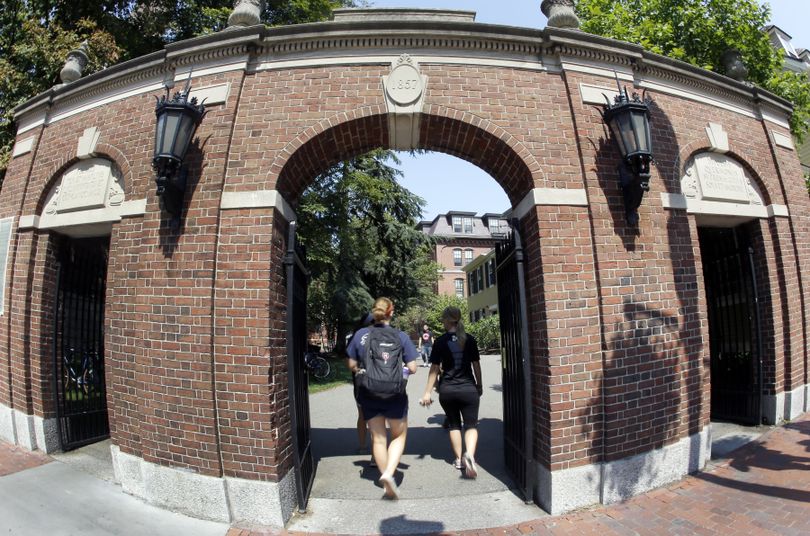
(31, 56)
(432, 314)
(487, 331)
(699, 32)
(36, 35)
(359, 227)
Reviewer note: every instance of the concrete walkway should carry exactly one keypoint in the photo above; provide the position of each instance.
(761, 488)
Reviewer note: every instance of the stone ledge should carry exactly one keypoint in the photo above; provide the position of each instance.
(559, 492)
(226, 500)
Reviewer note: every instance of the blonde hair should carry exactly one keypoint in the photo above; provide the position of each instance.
(453, 314)
(382, 310)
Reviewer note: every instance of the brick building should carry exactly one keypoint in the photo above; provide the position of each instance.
(461, 237)
(193, 323)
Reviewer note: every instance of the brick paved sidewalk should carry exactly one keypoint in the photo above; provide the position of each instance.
(14, 459)
(763, 489)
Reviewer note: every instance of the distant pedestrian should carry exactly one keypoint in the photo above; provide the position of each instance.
(455, 357)
(382, 358)
(425, 345)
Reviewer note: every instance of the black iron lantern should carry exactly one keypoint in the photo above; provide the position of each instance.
(177, 121)
(629, 122)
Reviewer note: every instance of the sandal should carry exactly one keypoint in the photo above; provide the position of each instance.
(457, 464)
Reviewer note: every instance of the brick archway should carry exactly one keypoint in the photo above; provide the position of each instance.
(444, 130)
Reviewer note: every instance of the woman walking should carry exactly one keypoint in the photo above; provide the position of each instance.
(455, 356)
(382, 358)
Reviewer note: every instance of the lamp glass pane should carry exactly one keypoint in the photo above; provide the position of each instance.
(641, 128)
(617, 134)
(184, 133)
(169, 132)
(159, 132)
(628, 138)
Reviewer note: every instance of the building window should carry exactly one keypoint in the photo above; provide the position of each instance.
(470, 289)
(460, 288)
(456, 224)
(468, 256)
(788, 46)
(492, 280)
(468, 226)
(480, 273)
(457, 257)
(487, 283)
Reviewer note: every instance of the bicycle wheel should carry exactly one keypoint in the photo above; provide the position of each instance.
(320, 368)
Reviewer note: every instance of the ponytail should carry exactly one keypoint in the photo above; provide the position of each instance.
(453, 314)
(382, 310)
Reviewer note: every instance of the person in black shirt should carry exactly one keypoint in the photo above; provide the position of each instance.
(455, 356)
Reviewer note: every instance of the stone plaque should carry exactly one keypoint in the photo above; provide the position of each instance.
(721, 178)
(85, 186)
(405, 84)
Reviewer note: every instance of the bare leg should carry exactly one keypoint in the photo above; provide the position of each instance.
(361, 429)
(471, 440)
(399, 431)
(455, 443)
(379, 440)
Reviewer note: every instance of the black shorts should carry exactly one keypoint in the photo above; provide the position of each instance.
(460, 402)
(395, 408)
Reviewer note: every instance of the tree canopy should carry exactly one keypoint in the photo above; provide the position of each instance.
(699, 32)
(359, 227)
(36, 36)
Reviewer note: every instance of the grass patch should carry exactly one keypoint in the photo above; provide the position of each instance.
(341, 376)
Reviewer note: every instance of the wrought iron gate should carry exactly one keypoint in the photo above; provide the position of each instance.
(517, 412)
(297, 281)
(734, 336)
(81, 398)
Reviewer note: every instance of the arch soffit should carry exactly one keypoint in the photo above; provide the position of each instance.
(478, 123)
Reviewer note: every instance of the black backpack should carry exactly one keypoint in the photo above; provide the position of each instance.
(383, 363)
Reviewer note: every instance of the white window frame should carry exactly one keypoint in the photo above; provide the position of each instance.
(467, 224)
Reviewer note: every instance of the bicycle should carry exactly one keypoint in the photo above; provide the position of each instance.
(82, 377)
(318, 366)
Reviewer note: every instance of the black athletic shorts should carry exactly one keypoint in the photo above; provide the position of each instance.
(460, 402)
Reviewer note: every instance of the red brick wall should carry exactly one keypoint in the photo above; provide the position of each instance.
(195, 327)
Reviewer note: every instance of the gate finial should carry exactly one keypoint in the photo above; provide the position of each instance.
(560, 13)
(246, 13)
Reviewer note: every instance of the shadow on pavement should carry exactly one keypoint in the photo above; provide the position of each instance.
(424, 442)
(402, 525)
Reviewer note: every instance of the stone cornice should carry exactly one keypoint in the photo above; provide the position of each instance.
(445, 40)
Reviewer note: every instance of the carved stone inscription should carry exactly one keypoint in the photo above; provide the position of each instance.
(85, 186)
(721, 179)
(405, 84)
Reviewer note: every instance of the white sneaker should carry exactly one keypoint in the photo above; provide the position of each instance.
(469, 466)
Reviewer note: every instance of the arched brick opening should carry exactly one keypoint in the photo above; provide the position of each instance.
(477, 141)
(483, 144)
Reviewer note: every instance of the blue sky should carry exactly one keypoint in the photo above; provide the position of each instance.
(449, 183)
